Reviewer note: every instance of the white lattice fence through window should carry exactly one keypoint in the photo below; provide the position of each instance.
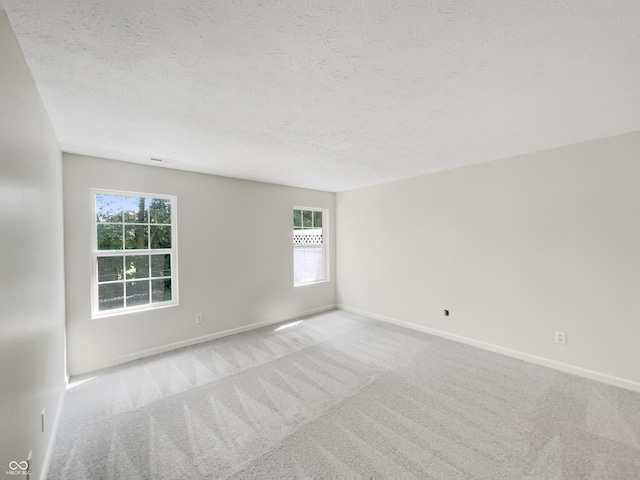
(307, 239)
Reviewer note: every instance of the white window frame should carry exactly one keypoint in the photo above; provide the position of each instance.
(325, 246)
(95, 253)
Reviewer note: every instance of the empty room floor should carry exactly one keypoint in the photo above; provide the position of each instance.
(342, 395)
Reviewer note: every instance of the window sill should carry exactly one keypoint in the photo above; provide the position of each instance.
(295, 285)
(127, 311)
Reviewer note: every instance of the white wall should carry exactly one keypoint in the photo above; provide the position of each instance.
(234, 253)
(517, 249)
(31, 263)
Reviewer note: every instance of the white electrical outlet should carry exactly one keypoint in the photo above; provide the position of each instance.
(199, 318)
(561, 338)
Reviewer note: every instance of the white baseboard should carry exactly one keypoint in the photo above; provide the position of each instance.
(52, 436)
(191, 341)
(563, 367)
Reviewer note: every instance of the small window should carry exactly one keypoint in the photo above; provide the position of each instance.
(309, 245)
(134, 253)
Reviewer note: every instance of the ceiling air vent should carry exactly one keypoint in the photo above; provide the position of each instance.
(162, 160)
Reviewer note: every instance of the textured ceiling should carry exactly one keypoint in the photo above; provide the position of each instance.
(331, 95)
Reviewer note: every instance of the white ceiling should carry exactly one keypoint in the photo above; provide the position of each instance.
(331, 95)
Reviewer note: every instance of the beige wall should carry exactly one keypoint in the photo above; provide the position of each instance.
(235, 260)
(517, 249)
(32, 281)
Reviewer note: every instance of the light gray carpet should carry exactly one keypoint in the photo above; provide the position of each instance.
(340, 395)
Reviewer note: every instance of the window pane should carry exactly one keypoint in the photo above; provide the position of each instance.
(160, 237)
(307, 218)
(309, 272)
(297, 218)
(137, 293)
(136, 210)
(137, 266)
(319, 271)
(109, 237)
(161, 290)
(136, 237)
(109, 208)
(298, 273)
(110, 296)
(309, 255)
(110, 269)
(161, 265)
(308, 251)
(160, 210)
(128, 226)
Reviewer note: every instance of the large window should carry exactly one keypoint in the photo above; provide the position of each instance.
(134, 252)
(310, 245)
